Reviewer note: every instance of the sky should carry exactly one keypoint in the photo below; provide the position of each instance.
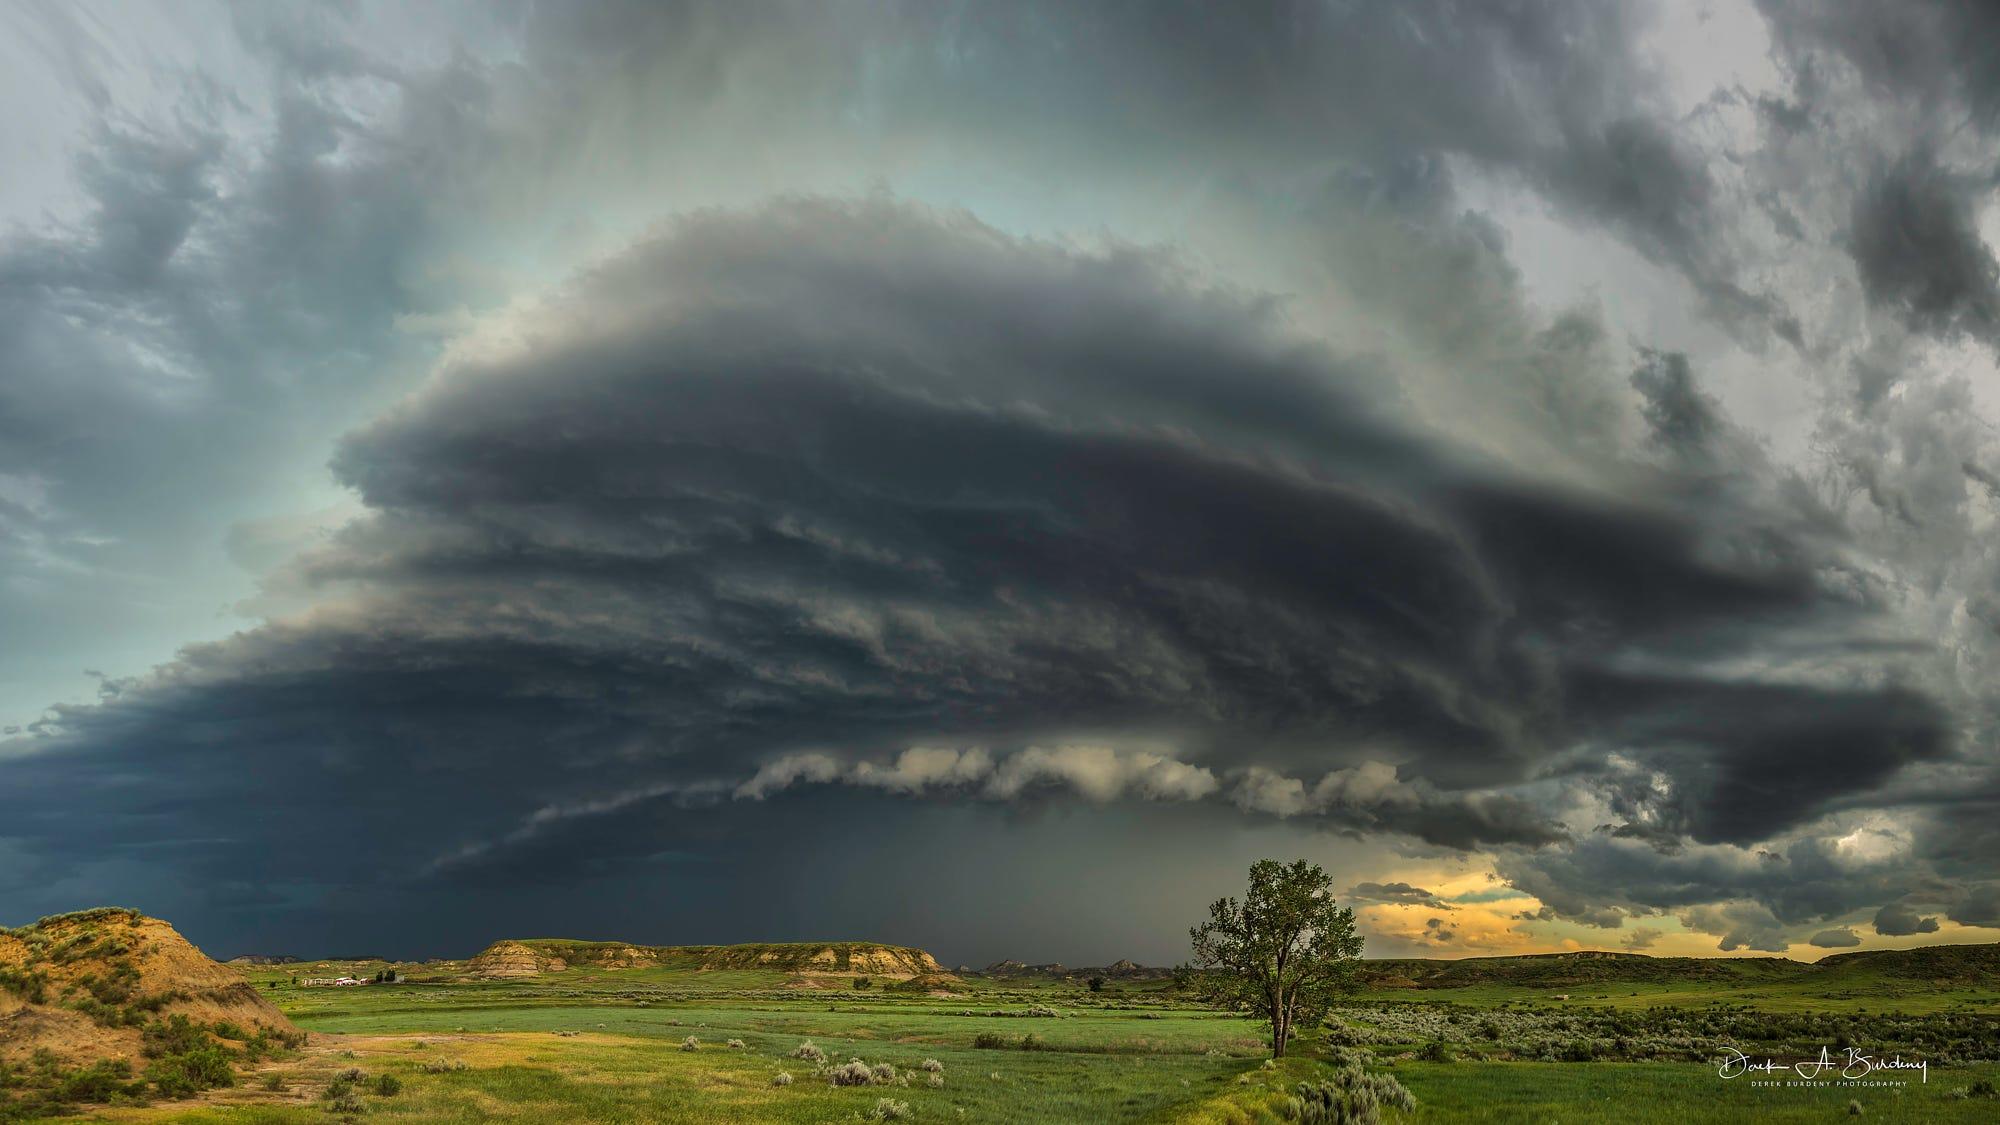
(978, 476)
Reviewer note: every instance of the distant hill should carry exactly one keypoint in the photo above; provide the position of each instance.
(535, 956)
(261, 959)
(1936, 964)
(1961, 964)
(1123, 969)
(81, 986)
(1561, 970)
(1941, 965)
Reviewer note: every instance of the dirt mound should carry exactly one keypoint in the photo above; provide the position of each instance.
(82, 985)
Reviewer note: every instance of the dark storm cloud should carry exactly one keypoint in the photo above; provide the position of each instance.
(1979, 907)
(1604, 879)
(1400, 893)
(1899, 920)
(1835, 939)
(1769, 754)
(1916, 242)
(1921, 70)
(848, 478)
(1931, 51)
(1742, 925)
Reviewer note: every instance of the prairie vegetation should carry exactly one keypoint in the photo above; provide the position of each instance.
(668, 1042)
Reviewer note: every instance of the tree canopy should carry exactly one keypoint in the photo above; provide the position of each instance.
(1285, 951)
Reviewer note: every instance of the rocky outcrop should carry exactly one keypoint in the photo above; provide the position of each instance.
(1123, 969)
(505, 959)
(526, 958)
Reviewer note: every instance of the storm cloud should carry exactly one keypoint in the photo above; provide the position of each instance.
(1430, 434)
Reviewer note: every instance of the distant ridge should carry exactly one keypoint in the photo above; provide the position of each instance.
(1937, 964)
(529, 957)
(1943, 963)
(1122, 969)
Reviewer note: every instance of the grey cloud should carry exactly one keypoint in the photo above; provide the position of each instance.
(1641, 938)
(1979, 906)
(1835, 939)
(1808, 878)
(1899, 920)
(1917, 246)
(1929, 51)
(1742, 926)
(1399, 893)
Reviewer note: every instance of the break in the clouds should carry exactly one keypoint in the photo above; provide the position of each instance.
(660, 450)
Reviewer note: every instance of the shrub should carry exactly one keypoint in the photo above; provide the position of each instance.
(1351, 1097)
(690, 1044)
(189, 1072)
(889, 1109)
(853, 1072)
(1032, 1042)
(442, 1066)
(29, 984)
(882, 1073)
(1096, 984)
(1438, 1051)
(736, 1043)
(388, 1085)
(1854, 1108)
(340, 1086)
(1044, 1010)
(989, 1040)
(99, 1082)
(175, 1035)
(781, 1079)
(936, 1080)
(810, 1053)
(347, 1105)
(934, 1066)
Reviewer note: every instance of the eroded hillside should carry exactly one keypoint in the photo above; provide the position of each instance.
(533, 957)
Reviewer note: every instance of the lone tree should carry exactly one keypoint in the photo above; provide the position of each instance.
(1284, 951)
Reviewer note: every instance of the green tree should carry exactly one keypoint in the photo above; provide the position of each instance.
(1284, 952)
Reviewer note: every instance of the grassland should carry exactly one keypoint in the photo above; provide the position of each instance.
(611, 1045)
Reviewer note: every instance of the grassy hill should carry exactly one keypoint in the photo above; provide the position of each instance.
(1569, 970)
(1961, 965)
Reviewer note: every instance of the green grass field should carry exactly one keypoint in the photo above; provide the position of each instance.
(595, 1045)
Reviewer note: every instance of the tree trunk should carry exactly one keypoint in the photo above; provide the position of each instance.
(1279, 1033)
